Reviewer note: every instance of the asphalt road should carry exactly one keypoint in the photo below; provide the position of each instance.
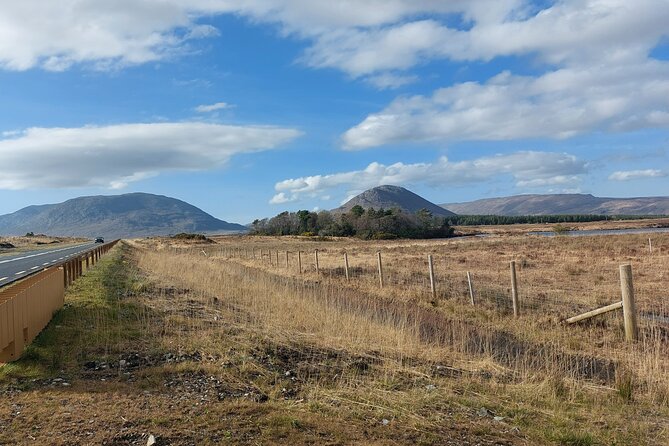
(25, 263)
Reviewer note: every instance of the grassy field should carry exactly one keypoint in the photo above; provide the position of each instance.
(199, 343)
(12, 245)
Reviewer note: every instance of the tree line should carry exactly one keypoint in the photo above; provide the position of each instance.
(469, 220)
(377, 224)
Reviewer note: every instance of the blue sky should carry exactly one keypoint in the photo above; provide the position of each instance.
(249, 108)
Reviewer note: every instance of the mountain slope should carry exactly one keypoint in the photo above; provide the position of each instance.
(562, 204)
(128, 215)
(388, 197)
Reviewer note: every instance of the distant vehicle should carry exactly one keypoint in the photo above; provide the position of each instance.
(99, 240)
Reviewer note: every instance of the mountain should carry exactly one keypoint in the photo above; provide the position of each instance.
(115, 216)
(562, 204)
(388, 197)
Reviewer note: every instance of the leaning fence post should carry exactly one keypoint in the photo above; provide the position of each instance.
(471, 288)
(346, 266)
(299, 261)
(514, 290)
(629, 306)
(378, 257)
(433, 287)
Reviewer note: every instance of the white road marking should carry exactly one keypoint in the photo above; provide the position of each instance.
(34, 267)
(35, 255)
(4, 278)
(45, 263)
(20, 272)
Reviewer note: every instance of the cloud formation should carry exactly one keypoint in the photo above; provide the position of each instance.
(627, 175)
(115, 155)
(558, 104)
(528, 169)
(213, 107)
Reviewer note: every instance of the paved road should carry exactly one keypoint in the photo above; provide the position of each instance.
(25, 263)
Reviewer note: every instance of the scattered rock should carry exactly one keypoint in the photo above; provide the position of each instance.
(430, 387)
(499, 419)
(385, 422)
(151, 441)
(483, 412)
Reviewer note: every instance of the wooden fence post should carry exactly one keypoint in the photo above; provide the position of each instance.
(514, 290)
(277, 258)
(433, 286)
(629, 306)
(316, 259)
(286, 259)
(346, 266)
(299, 261)
(650, 245)
(471, 288)
(378, 257)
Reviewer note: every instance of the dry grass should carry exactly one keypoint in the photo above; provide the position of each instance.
(39, 241)
(230, 349)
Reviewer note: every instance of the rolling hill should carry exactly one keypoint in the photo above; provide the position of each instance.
(389, 197)
(115, 216)
(562, 204)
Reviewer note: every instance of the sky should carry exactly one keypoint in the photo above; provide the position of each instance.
(248, 108)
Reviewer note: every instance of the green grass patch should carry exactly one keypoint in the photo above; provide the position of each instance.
(96, 322)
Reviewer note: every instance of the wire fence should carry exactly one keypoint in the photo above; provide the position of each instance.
(556, 278)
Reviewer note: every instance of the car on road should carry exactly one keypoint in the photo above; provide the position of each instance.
(99, 240)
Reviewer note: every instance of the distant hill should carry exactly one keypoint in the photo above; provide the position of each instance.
(557, 204)
(389, 197)
(116, 216)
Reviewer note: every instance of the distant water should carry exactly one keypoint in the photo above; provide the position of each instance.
(585, 232)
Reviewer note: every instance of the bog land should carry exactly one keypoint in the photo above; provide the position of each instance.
(274, 340)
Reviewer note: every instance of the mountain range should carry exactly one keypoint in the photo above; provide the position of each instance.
(116, 216)
(556, 204)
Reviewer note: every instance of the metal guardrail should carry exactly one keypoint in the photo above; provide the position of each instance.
(29, 303)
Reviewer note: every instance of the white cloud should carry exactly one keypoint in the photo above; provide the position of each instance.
(359, 37)
(386, 81)
(115, 155)
(281, 198)
(528, 170)
(559, 104)
(213, 107)
(626, 175)
(105, 34)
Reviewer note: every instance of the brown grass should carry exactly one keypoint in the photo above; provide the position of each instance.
(226, 348)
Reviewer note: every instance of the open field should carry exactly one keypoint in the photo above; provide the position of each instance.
(517, 229)
(199, 343)
(21, 244)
